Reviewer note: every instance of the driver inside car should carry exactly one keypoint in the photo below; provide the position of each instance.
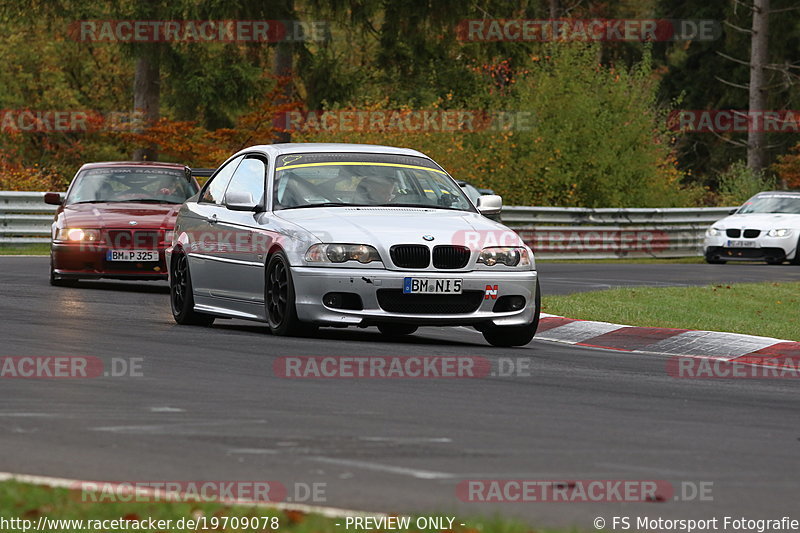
(374, 190)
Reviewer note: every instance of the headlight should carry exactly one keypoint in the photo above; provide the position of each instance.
(504, 256)
(341, 253)
(779, 232)
(713, 232)
(78, 234)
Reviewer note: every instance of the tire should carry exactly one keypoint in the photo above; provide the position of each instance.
(397, 330)
(774, 261)
(56, 281)
(711, 261)
(279, 299)
(796, 260)
(507, 336)
(181, 297)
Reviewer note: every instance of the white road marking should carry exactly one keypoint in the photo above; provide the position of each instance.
(27, 415)
(252, 451)
(377, 467)
(406, 439)
(166, 409)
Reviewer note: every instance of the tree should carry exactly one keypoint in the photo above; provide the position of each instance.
(759, 44)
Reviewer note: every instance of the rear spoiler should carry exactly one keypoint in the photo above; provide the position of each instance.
(203, 172)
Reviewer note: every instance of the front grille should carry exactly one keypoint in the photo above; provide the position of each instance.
(133, 240)
(751, 233)
(751, 253)
(448, 257)
(394, 301)
(410, 255)
(131, 266)
(733, 233)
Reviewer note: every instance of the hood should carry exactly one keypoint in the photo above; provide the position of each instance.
(119, 214)
(395, 225)
(762, 221)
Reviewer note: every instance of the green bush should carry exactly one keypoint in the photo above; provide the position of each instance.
(739, 183)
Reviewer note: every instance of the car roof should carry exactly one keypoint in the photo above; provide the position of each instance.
(152, 164)
(275, 150)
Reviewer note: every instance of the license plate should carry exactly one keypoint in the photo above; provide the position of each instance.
(431, 286)
(138, 256)
(742, 244)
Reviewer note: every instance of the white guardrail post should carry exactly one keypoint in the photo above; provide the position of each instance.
(552, 232)
(24, 217)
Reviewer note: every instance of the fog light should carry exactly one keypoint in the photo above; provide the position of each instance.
(332, 299)
(343, 300)
(506, 304)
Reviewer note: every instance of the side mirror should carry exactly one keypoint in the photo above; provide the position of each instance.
(240, 201)
(53, 198)
(490, 204)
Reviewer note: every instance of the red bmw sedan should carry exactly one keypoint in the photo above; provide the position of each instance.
(116, 220)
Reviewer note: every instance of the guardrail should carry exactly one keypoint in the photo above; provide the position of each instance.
(24, 217)
(552, 232)
(603, 233)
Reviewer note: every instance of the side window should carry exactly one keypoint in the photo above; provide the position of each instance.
(216, 188)
(249, 178)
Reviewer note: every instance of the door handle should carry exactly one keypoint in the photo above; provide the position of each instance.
(212, 219)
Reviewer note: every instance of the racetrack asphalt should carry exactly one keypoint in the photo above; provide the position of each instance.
(208, 406)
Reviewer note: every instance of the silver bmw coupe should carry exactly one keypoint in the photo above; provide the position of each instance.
(307, 235)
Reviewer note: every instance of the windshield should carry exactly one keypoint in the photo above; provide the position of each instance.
(321, 180)
(772, 203)
(131, 184)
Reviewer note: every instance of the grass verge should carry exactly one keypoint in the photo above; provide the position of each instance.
(30, 502)
(25, 249)
(767, 309)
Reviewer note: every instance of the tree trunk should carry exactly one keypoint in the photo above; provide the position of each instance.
(756, 149)
(555, 9)
(146, 97)
(282, 69)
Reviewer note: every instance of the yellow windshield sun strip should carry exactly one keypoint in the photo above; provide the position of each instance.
(353, 163)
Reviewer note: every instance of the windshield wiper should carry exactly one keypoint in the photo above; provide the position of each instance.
(420, 206)
(148, 201)
(324, 204)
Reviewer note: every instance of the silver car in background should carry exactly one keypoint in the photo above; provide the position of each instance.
(308, 235)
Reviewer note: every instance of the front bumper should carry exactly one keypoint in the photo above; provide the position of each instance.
(313, 283)
(83, 261)
(760, 248)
